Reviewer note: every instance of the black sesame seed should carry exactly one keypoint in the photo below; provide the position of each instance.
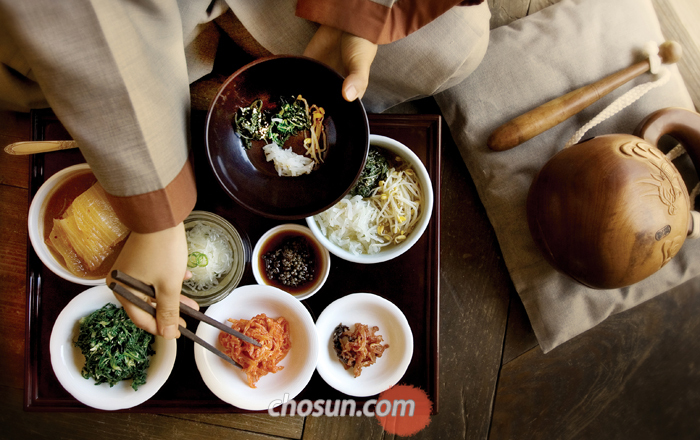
(292, 264)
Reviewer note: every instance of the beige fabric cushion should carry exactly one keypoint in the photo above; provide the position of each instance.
(533, 60)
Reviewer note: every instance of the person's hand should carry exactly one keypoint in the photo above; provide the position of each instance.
(159, 259)
(350, 55)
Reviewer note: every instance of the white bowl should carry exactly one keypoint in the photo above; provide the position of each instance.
(35, 225)
(394, 250)
(324, 263)
(371, 310)
(67, 360)
(228, 382)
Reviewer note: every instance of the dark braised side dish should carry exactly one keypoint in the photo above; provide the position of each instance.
(342, 331)
(291, 264)
(358, 348)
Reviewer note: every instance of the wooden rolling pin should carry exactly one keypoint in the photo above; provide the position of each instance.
(546, 116)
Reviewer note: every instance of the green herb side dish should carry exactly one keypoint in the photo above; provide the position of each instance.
(252, 123)
(376, 169)
(114, 348)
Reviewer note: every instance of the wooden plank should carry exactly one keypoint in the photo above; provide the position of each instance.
(13, 168)
(689, 17)
(520, 337)
(287, 427)
(342, 428)
(679, 21)
(473, 307)
(14, 127)
(105, 425)
(13, 248)
(633, 376)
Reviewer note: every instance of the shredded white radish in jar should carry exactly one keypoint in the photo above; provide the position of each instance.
(209, 256)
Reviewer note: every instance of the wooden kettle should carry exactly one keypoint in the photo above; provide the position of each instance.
(612, 210)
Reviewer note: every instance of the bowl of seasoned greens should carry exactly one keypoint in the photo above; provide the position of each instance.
(282, 141)
(102, 359)
(385, 213)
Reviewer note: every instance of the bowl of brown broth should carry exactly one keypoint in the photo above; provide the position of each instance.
(290, 258)
(51, 204)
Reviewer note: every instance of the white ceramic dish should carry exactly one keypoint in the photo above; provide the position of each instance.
(392, 251)
(35, 225)
(67, 360)
(228, 382)
(325, 266)
(371, 310)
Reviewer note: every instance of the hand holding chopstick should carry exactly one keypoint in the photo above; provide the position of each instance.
(143, 305)
(187, 310)
(148, 290)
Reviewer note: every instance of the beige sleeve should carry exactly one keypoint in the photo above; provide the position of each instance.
(115, 74)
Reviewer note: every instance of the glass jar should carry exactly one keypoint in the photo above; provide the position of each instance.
(229, 280)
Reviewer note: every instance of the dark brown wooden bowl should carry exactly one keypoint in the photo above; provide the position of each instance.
(253, 182)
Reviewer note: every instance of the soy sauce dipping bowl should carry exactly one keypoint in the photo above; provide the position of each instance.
(247, 177)
(273, 239)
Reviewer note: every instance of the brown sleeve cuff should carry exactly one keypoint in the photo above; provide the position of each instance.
(158, 210)
(373, 21)
(367, 19)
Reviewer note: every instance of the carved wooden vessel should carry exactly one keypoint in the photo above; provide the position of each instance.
(613, 210)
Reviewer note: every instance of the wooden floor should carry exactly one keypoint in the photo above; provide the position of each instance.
(637, 375)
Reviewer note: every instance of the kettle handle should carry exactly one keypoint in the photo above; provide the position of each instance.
(684, 126)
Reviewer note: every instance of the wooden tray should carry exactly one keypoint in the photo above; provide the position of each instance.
(410, 281)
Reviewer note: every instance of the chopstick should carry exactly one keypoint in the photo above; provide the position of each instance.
(147, 289)
(143, 305)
